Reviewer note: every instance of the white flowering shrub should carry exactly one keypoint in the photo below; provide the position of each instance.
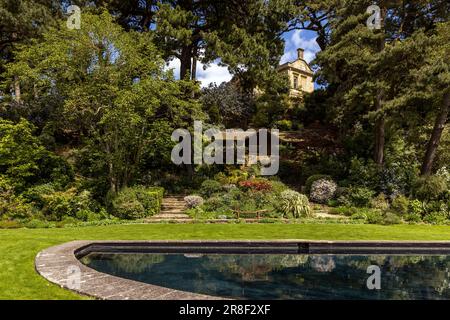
(445, 174)
(322, 191)
(193, 201)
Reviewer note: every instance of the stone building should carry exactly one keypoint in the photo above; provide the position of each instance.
(300, 75)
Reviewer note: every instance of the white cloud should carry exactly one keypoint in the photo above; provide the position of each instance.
(174, 64)
(296, 38)
(213, 73)
(309, 56)
(299, 39)
(288, 56)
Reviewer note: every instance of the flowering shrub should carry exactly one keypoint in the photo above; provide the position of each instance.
(256, 185)
(312, 179)
(322, 190)
(445, 174)
(193, 201)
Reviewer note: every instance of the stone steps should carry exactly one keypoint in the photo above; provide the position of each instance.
(210, 221)
(162, 220)
(172, 209)
(172, 212)
(173, 206)
(171, 216)
(325, 214)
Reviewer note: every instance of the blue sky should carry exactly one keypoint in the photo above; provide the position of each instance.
(293, 40)
(300, 39)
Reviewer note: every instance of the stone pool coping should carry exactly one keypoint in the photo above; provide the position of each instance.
(56, 263)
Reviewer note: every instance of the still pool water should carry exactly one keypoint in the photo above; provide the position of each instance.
(283, 276)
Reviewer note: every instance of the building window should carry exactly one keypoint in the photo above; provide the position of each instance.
(304, 79)
(295, 81)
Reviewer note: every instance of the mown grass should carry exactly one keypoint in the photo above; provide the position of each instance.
(18, 247)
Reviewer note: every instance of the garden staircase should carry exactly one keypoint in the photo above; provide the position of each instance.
(172, 209)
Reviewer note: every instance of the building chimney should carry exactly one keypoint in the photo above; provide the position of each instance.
(300, 52)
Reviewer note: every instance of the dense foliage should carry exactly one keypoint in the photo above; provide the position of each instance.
(87, 114)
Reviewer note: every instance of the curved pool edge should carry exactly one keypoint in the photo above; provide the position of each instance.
(57, 263)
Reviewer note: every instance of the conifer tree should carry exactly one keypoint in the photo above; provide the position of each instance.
(356, 66)
(20, 22)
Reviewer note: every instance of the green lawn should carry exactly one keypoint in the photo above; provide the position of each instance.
(18, 279)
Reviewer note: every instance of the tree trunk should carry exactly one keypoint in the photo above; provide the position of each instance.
(16, 82)
(112, 180)
(380, 122)
(190, 171)
(194, 68)
(111, 174)
(17, 92)
(379, 132)
(186, 62)
(322, 40)
(435, 138)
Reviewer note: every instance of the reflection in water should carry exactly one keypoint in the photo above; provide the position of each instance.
(323, 263)
(284, 276)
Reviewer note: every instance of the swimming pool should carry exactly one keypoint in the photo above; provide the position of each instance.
(287, 270)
